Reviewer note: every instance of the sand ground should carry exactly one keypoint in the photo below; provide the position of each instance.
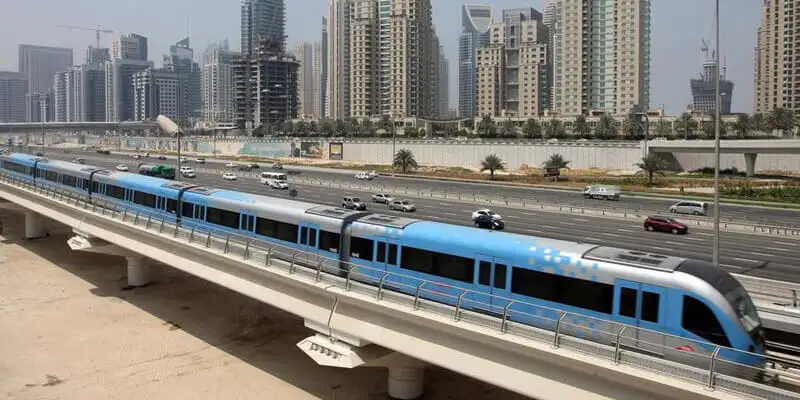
(69, 331)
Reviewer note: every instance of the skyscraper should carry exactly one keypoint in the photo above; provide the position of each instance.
(180, 61)
(321, 72)
(129, 47)
(475, 22)
(217, 84)
(338, 87)
(364, 58)
(262, 19)
(444, 84)
(777, 76)
(304, 53)
(601, 55)
(13, 86)
(41, 63)
(704, 90)
(128, 56)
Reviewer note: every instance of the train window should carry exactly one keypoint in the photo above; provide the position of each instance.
(69, 180)
(650, 305)
(444, 265)
(149, 200)
(51, 176)
(700, 320)
(115, 192)
(172, 206)
(627, 302)
(187, 209)
(286, 232)
(361, 248)
(392, 254)
(138, 197)
(225, 218)
(381, 256)
(304, 235)
(329, 241)
(574, 292)
(12, 166)
(484, 272)
(312, 238)
(95, 186)
(266, 227)
(500, 276)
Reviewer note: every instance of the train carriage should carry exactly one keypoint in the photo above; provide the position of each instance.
(21, 166)
(150, 197)
(76, 178)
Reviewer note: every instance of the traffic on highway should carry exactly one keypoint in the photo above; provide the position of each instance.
(761, 256)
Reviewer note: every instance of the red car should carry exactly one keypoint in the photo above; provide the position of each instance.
(665, 224)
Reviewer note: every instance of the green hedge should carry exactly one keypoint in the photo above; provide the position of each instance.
(785, 193)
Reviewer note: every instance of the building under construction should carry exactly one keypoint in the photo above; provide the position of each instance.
(265, 85)
(704, 88)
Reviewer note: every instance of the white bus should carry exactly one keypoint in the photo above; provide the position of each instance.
(275, 180)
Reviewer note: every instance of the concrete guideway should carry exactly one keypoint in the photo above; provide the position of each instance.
(750, 148)
(509, 361)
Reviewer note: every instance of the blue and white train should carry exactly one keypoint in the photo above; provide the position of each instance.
(681, 309)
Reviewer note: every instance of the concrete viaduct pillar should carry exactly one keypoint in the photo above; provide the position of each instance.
(138, 271)
(406, 382)
(33, 225)
(750, 163)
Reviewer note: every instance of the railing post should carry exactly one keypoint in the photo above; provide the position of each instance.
(318, 277)
(267, 257)
(149, 220)
(227, 243)
(246, 250)
(557, 335)
(349, 278)
(416, 296)
(379, 295)
(712, 367)
(160, 227)
(457, 314)
(124, 214)
(208, 239)
(617, 345)
(504, 322)
(175, 232)
(191, 234)
(135, 219)
(291, 266)
(794, 298)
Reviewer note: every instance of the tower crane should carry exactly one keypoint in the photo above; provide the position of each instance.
(97, 31)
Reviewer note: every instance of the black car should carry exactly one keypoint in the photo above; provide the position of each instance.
(245, 168)
(254, 166)
(487, 222)
(162, 157)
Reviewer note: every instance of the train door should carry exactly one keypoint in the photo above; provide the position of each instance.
(247, 221)
(309, 236)
(199, 212)
(491, 282)
(642, 307)
(385, 256)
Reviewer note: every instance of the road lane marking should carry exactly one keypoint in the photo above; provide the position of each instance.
(786, 244)
(761, 254)
(444, 204)
(449, 213)
(548, 227)
(567, 223)
(625, 230)
(695, 239)
(610, 234)
(673, 243)
(746, 260)
(703, 234)
(532, 231)
(661, 248)
(580, 220)
(776, 249)
(730, 266)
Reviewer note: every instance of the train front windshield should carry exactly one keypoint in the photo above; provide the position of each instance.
(745, 309)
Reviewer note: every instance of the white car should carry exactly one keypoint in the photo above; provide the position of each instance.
(276, 184)
(122, 167)
(188, 172)
(230, 165)
(200, 160)
(486, 212)
(364, 176)
(229, 176)
(402, 205)
(184, 160)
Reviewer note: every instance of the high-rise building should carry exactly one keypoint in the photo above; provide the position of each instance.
(41, 63)
(217, 83)
(97, 56)
(265, 86)
(321, 72)
(157, 92)
(337, 103)
(61, 98)
(262, 19)
(129, 47)
(444, 85)
(405, 65)
(87, 92)
(364, 57)
(40, 106)
(777, 77)
(512, 68)
(704, 91)
(180, 61)
(435, 100)
(120, 95)
(304, 52)
(601, 55)
(13, 86)
(475, 22)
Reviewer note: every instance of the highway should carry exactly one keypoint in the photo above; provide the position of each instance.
(734, 212)
(762, 256)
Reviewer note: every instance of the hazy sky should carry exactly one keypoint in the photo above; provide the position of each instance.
(677, 28)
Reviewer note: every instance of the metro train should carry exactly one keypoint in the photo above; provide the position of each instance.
(680, 309)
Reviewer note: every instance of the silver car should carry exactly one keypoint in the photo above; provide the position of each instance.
(382, 198)
(402, 205)
(689, 207)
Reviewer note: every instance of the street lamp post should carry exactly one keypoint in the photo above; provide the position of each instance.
(716, 141)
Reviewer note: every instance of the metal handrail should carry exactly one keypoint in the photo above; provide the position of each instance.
(237, 242)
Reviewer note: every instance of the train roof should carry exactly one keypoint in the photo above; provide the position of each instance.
(23, 157)
(138, 181)
(250, 198)
(68, 166)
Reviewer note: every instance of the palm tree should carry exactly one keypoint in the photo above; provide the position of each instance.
(685, 125)
(532, 129)
(581, 127)
(404, 159)
(606, 127)
(492, 163)
(556, 161)
(555, 129)
(781, 119)
(651, 165)
(487, 127)
(743, 125)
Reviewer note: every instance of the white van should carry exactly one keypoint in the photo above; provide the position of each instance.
(689, 207)
(275, 180)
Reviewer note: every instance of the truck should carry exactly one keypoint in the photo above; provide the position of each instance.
(158, 171)
(602, 192)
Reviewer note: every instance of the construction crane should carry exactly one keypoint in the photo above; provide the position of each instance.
(97, 31)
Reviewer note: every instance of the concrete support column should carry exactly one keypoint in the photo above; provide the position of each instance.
(138, 271)
(750, 163)
(33, 225)
(406, 383)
